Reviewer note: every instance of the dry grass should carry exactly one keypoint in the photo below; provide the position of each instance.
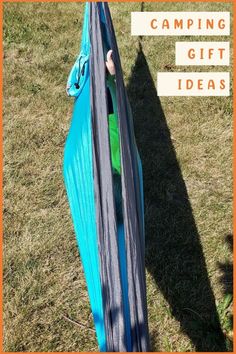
(185, 145)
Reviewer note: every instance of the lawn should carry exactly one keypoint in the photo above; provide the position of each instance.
(186, 148)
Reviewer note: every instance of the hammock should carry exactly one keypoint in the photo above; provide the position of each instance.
(103, 179)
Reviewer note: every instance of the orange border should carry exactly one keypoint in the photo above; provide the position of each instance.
(224, 1)
(1, 180)
(234, 161)
(1, 150)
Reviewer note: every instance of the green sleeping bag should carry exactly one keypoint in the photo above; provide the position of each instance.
(114, 142)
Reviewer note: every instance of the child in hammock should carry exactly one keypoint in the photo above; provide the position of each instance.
(114, 134)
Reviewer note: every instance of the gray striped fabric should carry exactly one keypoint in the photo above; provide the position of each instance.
(116, 333)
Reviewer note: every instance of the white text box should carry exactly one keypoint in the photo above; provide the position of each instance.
(202, 53)
(180, 23)
(193, 84)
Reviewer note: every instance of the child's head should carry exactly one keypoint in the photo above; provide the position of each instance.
(110, 63)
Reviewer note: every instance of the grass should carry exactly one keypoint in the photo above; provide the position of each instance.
(185, 145)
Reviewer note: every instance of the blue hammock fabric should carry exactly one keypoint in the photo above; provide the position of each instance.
(111, 249)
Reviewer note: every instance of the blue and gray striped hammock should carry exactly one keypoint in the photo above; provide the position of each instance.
(103, 178)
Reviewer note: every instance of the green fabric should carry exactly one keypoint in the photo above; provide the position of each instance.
(114, 142)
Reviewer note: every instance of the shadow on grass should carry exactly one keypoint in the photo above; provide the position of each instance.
(226, 281)
(227, 269)
(174, 253)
